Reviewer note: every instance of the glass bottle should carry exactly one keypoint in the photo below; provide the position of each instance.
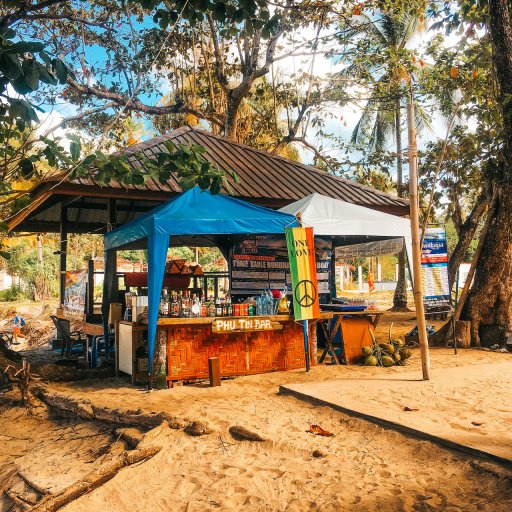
(175, 306)
(185, 305)
(196, 307)
(211, 308)
(229, 305)
(164, 304)
(218, 307)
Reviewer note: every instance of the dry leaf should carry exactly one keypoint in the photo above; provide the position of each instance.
(319, 431)
(410, 409)
(476, 423)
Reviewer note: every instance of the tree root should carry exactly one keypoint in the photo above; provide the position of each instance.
(30, 483)
(19, 501)
(244, 434)
(84, 409)
(95, 479)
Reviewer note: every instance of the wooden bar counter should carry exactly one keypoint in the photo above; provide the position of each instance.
(245, 345)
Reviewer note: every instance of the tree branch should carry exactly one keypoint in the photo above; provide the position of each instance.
(43, 16)
(135, 105)
(20, 14)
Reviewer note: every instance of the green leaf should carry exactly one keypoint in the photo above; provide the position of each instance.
(26, 168)
(7, 33)
(88, 160)
(10, 66)
(61, 71)
(20, 85)
(216, 185)
(26, 47)
(74, 149)
(31, 73)
(45, 76)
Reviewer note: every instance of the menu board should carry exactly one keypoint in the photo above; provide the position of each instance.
(434, 269)
(260, 263)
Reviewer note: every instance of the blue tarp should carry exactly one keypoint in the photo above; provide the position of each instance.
(196, 214)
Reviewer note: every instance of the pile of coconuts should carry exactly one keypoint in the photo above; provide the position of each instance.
(385, 354)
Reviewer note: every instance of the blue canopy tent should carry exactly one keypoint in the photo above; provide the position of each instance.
(195, 218)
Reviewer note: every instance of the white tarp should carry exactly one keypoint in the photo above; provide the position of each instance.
(332, 217)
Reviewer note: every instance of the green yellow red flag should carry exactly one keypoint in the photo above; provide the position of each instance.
(301, 254)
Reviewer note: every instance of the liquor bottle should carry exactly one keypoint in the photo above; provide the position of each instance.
(250, 310)
(229, 305)
(196, 307)
(185, 305)
(164, 304)
(218, 307)
(211, 308)
(204, 307)
(224, 307)
(175, 306)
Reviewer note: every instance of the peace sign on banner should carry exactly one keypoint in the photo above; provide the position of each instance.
(301, 253)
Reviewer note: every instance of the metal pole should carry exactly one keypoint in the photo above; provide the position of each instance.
(415, 233)
(306, 342)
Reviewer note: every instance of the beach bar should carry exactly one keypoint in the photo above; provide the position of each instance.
(244, 343)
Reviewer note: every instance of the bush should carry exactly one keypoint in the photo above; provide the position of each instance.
(12, 294)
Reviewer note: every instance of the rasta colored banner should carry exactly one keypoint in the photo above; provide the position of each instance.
(301, 253)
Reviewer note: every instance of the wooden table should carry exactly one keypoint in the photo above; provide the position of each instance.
(331, 329)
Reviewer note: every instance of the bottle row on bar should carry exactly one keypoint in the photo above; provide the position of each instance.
(184, 305)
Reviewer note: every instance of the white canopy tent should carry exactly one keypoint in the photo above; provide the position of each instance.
(354, 229)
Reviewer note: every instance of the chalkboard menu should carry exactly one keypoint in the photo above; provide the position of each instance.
(260, 263)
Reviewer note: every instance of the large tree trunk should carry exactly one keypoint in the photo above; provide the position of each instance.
(489, 308)
(466, 233)
(400, 296)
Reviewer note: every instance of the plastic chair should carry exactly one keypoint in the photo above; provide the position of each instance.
(71, 340)
(98, 346)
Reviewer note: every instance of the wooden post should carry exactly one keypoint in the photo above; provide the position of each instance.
(415, 233)
(63, 250)
(89, 305)
(214, 371)
(112, 213)
(462, 336)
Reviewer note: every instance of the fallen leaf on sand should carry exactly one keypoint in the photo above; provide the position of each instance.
(410, 409)
(319, 431)
(476, 423)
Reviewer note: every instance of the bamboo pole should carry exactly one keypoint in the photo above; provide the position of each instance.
(415, 233)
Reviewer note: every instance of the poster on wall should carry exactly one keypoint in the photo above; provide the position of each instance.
(434, 269)
(260, 263)
(75, 289)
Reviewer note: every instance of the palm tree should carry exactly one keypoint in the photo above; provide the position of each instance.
(387, 66)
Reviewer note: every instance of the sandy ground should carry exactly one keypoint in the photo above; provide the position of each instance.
(469, 405)
(366, 467)
(53, 454)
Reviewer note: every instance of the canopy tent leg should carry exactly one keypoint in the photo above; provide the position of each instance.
(157, 254)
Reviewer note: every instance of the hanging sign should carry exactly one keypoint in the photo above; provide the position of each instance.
(301, 254)
(434, 269)
(228, 325)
